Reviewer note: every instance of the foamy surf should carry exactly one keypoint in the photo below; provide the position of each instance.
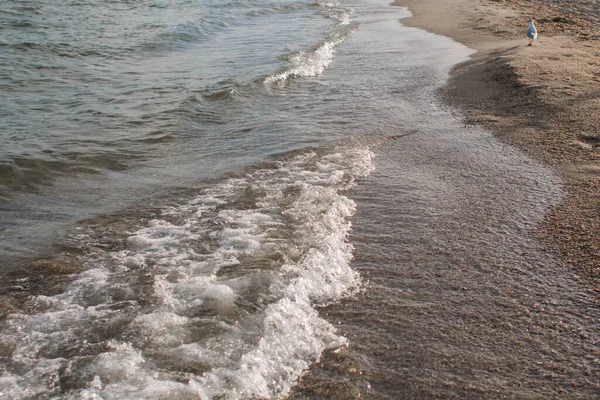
(314, 62)
(212, 298)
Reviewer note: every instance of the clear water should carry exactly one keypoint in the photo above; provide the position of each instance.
(196, 196)
(110, 101)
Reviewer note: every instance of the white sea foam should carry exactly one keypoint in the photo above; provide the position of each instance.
(314, 62)
(306, 63)
(214, 297)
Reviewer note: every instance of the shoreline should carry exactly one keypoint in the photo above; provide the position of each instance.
(543, 99)
(474, 306)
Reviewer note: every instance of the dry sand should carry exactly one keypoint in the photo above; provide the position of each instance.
(543, 99)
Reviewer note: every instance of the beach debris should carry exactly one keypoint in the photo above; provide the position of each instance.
(531, 32)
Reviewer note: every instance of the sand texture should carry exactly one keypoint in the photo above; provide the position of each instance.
(543, 99)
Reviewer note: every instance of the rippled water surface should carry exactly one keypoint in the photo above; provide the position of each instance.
(223, 199)
(109, 101)
(461, 301)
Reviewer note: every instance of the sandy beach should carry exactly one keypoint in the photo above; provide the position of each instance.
(300, 200)
(543, 99)
(444, 321)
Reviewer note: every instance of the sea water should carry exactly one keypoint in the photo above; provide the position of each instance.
(172, 187)
(184, 186)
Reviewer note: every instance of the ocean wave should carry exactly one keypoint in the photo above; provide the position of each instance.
(314, 62)
(212, 297)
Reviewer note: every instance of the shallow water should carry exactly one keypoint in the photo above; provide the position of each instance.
(461, 301)
(267, 185)
(108, 102)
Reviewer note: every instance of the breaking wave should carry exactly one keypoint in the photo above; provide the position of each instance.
(212, 297)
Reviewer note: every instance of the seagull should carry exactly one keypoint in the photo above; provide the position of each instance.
(531, 32)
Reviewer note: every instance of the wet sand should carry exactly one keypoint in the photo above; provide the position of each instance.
(484, 284)
(543, 99)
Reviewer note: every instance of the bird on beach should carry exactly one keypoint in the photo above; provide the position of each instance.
(531, 32)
